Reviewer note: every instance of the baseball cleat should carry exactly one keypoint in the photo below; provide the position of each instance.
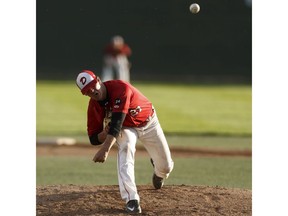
(158, 182)
(133, 207)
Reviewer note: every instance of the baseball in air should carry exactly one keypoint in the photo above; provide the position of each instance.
(194, 8)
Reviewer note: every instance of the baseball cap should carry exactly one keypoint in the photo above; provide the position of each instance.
(86, 80)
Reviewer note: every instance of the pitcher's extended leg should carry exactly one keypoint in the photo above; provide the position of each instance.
(125, 164)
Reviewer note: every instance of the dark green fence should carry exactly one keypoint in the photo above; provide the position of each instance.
(168, 42)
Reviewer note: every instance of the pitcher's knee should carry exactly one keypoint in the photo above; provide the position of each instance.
(167, 169)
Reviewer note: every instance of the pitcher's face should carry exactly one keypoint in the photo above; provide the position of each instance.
(96, 92)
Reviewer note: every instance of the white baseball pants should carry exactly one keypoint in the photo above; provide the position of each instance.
(119, 65)
(154, 141)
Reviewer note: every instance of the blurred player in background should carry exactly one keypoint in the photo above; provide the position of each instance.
(115, 63)
(119, 113)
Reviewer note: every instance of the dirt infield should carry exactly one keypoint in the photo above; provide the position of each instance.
(83, 149)
(77, 200)
(170, 200)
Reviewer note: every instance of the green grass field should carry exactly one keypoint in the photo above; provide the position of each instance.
(213, 171)
(181, 109)
(191, 116)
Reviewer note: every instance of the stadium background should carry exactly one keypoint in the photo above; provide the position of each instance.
(168, 42)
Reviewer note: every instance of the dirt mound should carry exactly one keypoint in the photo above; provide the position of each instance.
(181, 200)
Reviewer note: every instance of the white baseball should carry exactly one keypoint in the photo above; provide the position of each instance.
(194, 8)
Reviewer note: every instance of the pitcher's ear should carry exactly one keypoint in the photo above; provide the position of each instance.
(98, 85)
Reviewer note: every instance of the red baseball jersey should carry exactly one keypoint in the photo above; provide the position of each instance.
(124, 50)
(121, 97)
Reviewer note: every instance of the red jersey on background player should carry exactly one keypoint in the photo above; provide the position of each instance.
(119, 113)
(116, 63)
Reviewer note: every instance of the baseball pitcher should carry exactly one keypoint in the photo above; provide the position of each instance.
(127, 115)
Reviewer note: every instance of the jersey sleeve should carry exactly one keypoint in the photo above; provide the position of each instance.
(126, 50)
(121, 101)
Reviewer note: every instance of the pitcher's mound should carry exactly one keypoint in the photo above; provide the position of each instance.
(181, 200)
